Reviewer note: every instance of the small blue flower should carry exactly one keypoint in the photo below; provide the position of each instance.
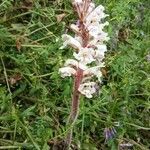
(109, 133)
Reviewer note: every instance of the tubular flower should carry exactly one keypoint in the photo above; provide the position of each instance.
(67, 72)
(87, 89)
(75, 64)
(94, 71)
(85, 55)
(89, 45)
(68, 40)
(74, 28)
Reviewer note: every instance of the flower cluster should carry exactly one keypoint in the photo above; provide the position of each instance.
(89, 46)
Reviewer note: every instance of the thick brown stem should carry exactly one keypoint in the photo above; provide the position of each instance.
(74, 107)
(78, 78)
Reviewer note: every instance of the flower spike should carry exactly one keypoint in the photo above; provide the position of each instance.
(89, 44)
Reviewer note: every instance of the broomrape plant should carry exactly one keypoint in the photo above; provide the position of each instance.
(89, 52)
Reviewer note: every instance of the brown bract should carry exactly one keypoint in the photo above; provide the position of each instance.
(60, 17)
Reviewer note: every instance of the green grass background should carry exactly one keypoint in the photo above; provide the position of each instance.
(35, 100)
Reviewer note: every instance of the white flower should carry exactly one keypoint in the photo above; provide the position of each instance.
(98, 25)
(87, 89)
(95, 29)
(67, 72)
(101, 47)
(69, 40)
(99, 9)
(82, 66)
(74, 63)
(100, 52)
(75, 28)
(99, 39)
(71, 62)
(94, 71)
(91, 7)
(103, 36)
(85, 55)
(99, 56)
(91, 71)
(94, 50)
(96, 15)
(78, 1)
(78, 38)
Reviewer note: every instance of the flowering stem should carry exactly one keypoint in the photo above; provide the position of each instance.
(89, 46)
(78, 78)
(76, 95)
(75, 105)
